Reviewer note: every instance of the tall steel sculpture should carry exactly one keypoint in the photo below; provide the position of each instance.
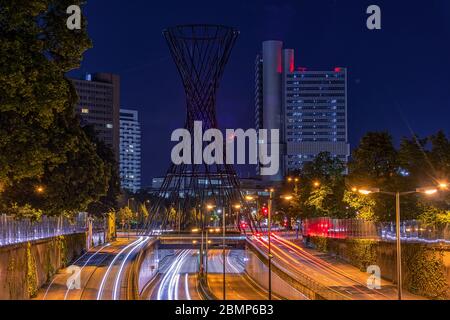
(200, 53)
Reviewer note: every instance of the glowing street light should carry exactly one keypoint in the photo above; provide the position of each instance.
(40, 189)
(287, 197)
(443, 185)
(316, 184)
(249, 198)
(427, 191)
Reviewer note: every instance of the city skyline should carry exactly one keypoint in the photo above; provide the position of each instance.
(207, 93)
(380, 83)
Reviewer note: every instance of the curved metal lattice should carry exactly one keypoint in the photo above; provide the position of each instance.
(200, 53)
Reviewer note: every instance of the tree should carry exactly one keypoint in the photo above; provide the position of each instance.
(109, 201)
(321, 189)
(323, 186)
(41, 142)
(125, 216)
(363, 206)
(375, 165)
(35, 52)
(374, 161)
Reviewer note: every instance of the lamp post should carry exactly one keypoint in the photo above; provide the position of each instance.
(129, 226)
(237, 207)
(288, 198)
(397, 195)
(202, 253)
(223, 252)
(269, 226)
(295, 181)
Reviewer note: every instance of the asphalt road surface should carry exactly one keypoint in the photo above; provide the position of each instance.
(345, 281)
(100, 274)
(178, 280)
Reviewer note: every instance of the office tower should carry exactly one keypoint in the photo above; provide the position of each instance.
(308, 107)
(130, 150)
(99, 106)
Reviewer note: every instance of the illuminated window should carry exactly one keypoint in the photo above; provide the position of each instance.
(109, 126)
(85, 110)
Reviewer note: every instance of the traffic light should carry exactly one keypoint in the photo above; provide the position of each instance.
(265, 211)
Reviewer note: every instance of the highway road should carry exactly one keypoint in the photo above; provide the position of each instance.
(178, 280)
(100, 274)
(238, 285)
(345, 281)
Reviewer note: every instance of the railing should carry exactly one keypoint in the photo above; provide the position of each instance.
(410, 231)
(14, 231)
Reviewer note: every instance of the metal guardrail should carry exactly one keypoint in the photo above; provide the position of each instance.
(14, 231)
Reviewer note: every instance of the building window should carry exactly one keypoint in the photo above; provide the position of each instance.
(109, 125)
(85, 110)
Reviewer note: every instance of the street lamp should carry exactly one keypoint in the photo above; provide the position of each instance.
(269, 225)
(249, 198)
(256, 199)
(368, 191)
(40, 189)
(209, 207)
(295, 181)
(223, 252)
(289, 197)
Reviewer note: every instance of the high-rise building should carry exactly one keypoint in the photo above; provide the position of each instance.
(130, 150)
(99, 106)
(308, 107)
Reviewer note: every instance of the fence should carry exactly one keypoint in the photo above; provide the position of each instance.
(16, 231)
(410, 231)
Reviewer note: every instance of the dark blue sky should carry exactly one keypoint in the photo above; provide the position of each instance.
(399, 77)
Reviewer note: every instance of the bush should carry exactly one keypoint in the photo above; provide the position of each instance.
(425, 274)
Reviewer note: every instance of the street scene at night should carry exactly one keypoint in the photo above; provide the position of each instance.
(245, 153)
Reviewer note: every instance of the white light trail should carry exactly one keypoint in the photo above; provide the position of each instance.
(119, 274)
(169, 277)
(186, 286)
(102, 285)
(173, 284)
(85, 264)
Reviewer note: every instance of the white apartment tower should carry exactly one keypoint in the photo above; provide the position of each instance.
(308, 107)
(130, 150)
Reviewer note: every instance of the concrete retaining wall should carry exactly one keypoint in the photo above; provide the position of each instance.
(258, 271)
(25, 267)
(143, 270)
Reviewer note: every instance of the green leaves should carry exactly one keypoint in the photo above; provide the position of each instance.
(41, 141)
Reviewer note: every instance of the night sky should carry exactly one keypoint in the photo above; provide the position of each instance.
(399, 77)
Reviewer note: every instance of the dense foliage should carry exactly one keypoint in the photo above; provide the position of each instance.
(47, 162)
(325, 188)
